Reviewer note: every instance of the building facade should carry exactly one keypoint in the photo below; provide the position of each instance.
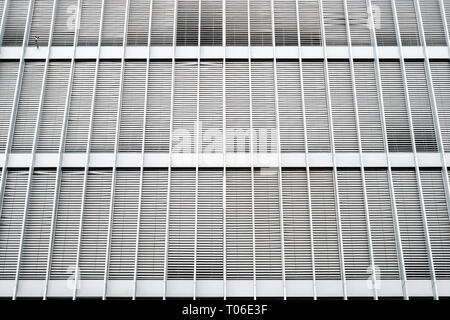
(212, 148)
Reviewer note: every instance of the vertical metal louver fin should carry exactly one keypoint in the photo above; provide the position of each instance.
(133, 100)
(65, 243)
(440, 70)
(28, 106)
(91, 12)
(359, 22)
(157, 131)
(334, 22)
(237, 107)
(406, 14)
(211, 23)
(181, 224)
(236, 24)
(11, 218)
(384, 22)
(309, 16)
(210, 224)
(52, 116)
(260, 23)
(33, 265)
(432, 22)
(2, 7)
(290, 107)
(424, 134)
(211, 104)
(8, 78)
(40, 22)
(113, 22)
(15, 23)
(162, 23)
(65, 22)
(285, 23)
(138, 23)
(106, 104)
(187, 22)
(397, 126)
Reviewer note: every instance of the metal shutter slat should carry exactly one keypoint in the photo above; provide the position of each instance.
(260, 23)
(138, 23)
(334, 22)
(285, 23)
(187, 23)
(359, 23)
(40, 22)
(65, 22)
(211, 23)
(15, 23)
(441, 83)
(162, 23)
(407, 22)
(309, 16)
(8, 75)
(113, 22)
(384, 22)
(90, 23)
(432, 22)
(237, 22)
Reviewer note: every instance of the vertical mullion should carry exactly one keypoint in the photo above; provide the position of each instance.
(333, 153)
(388, 158)
(361, 154)
(224, 148)
(61, 150)
(305, 133)
(252, 169)
(33, 150)
(413, 144)
(141, 177)
(280, 172)
(444, 22)
(116, 150)
(88, 152)
(169, 168)
(3, 22)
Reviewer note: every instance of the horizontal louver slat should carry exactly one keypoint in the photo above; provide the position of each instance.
(8, 78)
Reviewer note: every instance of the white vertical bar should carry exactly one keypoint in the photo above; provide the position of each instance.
(413, 144)
(116, 151)
(280, 171)
(169, 168)
(251, 147)
(141, 177)
(333, 152)
(224, 146)
(445, 23)
(88, 152)
(3, 22)
(361, 154)
(305, 134)
(34, 146)
(61, 149)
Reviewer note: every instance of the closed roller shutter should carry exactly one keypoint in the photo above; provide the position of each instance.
(239, 225)
(211, 114)
(384, 22)
(237, 22)
(397, 126)
(334, 22)
(384, 245)
(33, 264)
(91, 12)
(11, 217)
(124, 226)
(420, 107)
(267, 225)
(326, 248)
(237, 106)
(309, 16)
(40, 22)
(368, 107)
(162, 23)
(8, 75)
(187, 23)
(264, 115)
(359, 23)
(113, 22)
(316, 106)
(210, 224)
(290, 107)
(65, 22)
(94, 234)
(432, 22)
(65, 243)
(440, 71)
(152, 233)
(80, 106)
(260, 23)
(438, 220)
(54, 105)
(28, 106)
(185, 107)
(157, 131)
(344, 118)
(411, 226)
(15, 22)
(181, 225)
(285, 23)
(211, 23)
(138, 22)
(133, 100)
(407, 22)
(354, 226)
(106, 104)
(297, 233)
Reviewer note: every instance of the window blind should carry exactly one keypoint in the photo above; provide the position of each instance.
(8, 75)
